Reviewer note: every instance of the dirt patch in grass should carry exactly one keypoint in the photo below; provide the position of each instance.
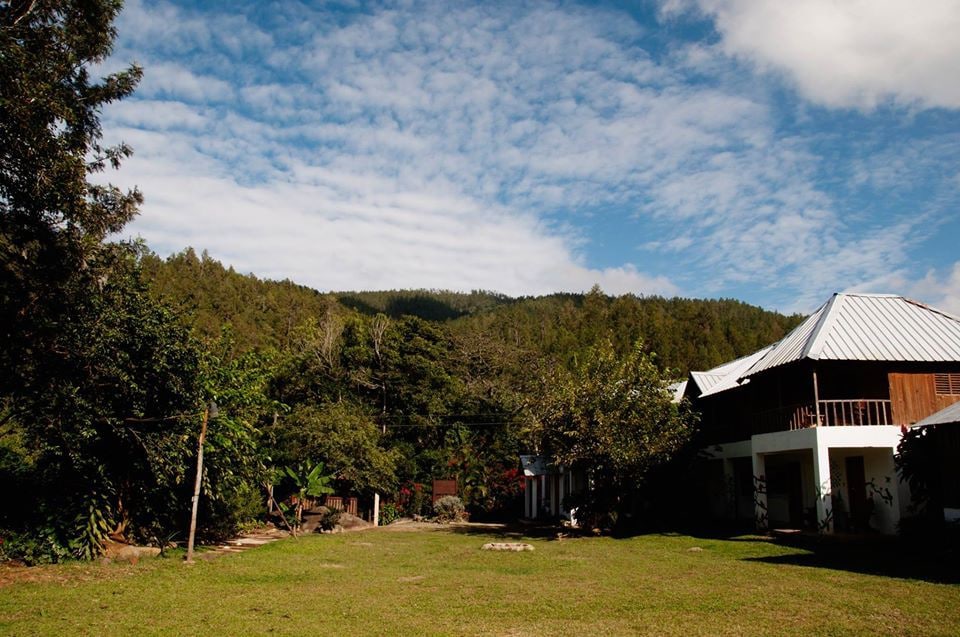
(70, 573)
(10, 573)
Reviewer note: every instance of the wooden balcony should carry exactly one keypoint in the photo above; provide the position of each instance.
(843, 413)
(855, 412)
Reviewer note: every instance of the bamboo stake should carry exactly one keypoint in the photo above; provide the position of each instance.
(196, 486)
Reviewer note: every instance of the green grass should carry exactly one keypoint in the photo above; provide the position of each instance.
(389, 582)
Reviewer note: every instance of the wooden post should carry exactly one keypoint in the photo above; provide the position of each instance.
(376, 509)
(816, 398)
(196, 485)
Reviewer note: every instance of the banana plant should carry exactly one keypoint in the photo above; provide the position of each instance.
(309, 481)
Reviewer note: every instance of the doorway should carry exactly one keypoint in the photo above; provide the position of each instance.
(857, 494)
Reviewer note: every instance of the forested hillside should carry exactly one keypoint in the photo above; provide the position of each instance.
(685, 334)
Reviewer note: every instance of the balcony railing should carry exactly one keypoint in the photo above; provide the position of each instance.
(856, 412)
(843, 413)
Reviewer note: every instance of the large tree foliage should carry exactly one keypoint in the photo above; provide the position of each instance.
(105, 406)
(53, 218)
(613, 418)
(344, 436)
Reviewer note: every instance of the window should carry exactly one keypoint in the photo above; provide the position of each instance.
(947, 384)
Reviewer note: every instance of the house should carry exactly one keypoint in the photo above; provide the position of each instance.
(546, 487)
(945, 426)
(802, 433)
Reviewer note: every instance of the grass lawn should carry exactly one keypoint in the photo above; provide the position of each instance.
(439, 582)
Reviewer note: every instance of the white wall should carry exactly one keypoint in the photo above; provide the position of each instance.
(878, 468)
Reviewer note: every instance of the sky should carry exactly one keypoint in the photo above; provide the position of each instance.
(773, 152)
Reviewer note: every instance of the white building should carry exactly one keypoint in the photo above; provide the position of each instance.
(802, 434)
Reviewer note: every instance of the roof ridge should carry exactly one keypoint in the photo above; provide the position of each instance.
(817, 336)
(731, 363)
(872, 294)
(924, 306)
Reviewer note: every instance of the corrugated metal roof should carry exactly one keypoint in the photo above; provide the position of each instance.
(535, 466)
(705, 380)
(946, 416)
(678, 389)
(868, 327)
(730, 373)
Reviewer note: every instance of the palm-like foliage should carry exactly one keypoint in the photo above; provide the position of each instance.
(309, 481)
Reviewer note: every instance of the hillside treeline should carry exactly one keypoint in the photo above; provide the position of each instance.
(685, 334)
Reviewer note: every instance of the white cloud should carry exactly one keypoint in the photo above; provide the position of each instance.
(847, 53)
(173, 80)
(942, 291)
(319, 232)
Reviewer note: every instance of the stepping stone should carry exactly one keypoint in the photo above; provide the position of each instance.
(506, 546)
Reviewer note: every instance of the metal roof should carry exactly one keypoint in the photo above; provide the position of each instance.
(868, 327)
(677, 389)
(535, 466)
(705, 380)
(729, 374)
(943, 417)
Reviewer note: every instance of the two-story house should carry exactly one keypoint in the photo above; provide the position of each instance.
(802, 434)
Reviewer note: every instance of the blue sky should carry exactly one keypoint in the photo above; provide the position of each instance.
(772, 152)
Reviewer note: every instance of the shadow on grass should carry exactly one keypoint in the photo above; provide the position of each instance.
(888, 557)
(513, 530)
(934, 560)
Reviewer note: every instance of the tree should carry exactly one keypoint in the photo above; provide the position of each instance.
(53, 218)
(613, 418)
(102, 381)
(105, 408)
(343, 437)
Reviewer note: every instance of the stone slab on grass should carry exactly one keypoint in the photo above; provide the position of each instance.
(506, 546)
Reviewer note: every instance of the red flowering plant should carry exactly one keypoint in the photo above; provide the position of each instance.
(411, 499)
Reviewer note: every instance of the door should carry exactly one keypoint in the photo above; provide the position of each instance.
(857, 493)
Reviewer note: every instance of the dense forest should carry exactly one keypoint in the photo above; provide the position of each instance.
(114, 360)
(685, 334)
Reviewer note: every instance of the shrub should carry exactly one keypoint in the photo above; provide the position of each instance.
(40, 547)
(388, 513)
(329, 519)
(449, 508)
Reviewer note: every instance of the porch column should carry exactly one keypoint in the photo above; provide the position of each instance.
(729, 488)
(760, 493)
(526, 497)
(563, 479)
(534, 508)
(824, 491)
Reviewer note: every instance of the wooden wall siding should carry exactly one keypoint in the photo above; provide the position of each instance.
(914, 397)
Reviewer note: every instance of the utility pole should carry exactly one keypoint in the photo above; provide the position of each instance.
(209, 412)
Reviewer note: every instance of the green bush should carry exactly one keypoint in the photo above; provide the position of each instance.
(329, 519)
(388, 513)
(449, 508)
(41, 547)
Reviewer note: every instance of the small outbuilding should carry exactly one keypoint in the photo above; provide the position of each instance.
(547, 487)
